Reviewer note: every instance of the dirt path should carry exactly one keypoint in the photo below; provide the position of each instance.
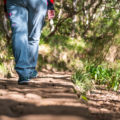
(51, 97)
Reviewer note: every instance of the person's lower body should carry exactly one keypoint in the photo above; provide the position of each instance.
(27, 19)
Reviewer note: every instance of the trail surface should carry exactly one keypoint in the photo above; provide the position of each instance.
(51, 97)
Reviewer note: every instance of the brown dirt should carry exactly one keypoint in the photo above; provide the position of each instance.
(51, 97)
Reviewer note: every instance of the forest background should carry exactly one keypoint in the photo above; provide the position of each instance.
(84, 38)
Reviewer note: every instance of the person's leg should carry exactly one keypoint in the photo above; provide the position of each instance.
(18, 16)
(36, 15)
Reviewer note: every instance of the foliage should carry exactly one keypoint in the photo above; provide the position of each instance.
(83, 81)
(84, 31)
(96, 74)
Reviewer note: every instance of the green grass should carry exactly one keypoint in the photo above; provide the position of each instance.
(96, 74)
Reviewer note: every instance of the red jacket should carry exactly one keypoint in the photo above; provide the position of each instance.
(50, 5)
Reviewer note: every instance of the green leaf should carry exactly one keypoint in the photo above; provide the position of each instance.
(84, 98)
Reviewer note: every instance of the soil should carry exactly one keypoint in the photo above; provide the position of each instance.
(51, 96)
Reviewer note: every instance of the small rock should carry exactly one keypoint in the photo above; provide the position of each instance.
(16, 95)
(94, 110)
(3, 92)
(32, 96)
(103, 110)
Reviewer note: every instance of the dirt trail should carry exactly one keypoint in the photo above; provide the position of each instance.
(49, 97)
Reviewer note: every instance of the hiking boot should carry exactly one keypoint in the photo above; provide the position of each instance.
(33, 74)
(23, 80)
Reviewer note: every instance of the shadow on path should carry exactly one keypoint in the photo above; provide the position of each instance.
(59, 91)
(12, 108)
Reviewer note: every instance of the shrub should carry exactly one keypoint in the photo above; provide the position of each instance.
(96, 74)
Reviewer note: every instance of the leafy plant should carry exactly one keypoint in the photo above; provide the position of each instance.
(82, 80)
(100, 74)
(96, 74)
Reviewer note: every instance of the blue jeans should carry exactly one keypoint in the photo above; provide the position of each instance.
(26, 19)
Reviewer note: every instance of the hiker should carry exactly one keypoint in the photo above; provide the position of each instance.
(27, 20)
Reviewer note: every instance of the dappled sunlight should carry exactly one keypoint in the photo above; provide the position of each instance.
(44, 49)
(78, 43)
(78, 61)
(104, 101)
(51, 96)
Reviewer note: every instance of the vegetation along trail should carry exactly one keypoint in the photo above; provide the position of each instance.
(84, 40)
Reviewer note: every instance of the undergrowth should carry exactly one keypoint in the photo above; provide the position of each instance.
(93, 75)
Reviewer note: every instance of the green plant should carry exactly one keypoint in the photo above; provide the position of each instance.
(115, 80)
(82, 80)
(100, 74)
(96, 74)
